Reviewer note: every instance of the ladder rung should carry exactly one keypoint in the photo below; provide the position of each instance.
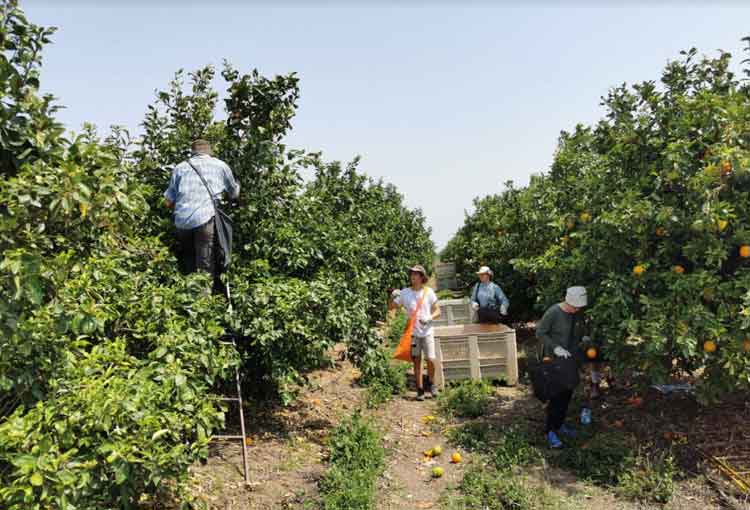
(228, 437)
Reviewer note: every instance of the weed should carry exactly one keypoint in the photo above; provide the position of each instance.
(648, 479)
(467, 399)
(514, 448)
(599, 459)
(471, 436)
(357, 458)
(506, 447)
(382, 376)
(487, 489)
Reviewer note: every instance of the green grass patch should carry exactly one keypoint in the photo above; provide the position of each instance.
(469, 399)
(472, 436)
(357, 459)
(514, 447)
(648, 478)
(597, 458)
(488, 489)
(608, 459)
(382, 376)
(505, 447)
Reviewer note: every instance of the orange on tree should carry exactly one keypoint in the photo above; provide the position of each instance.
(745, 251)
(591, 353)
(661, 231)
(678, 269)
(709, 346)
(639, 270)
(726, 167)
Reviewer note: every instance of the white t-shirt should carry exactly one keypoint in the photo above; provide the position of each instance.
(409, 299)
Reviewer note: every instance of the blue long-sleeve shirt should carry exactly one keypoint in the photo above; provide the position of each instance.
(489, 295)
(192, 203)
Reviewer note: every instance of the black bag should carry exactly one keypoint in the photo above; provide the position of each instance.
(552, 378)
(222, 227)
(489, 315)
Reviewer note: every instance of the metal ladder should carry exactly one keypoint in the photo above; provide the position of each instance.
(238, 400)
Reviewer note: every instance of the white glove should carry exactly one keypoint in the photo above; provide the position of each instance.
(561, 352)
(475, 306)
(395, 294)
(504, 309)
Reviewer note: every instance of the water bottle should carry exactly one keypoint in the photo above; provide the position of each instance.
(585, 416)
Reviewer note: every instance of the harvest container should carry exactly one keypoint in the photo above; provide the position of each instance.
(475, 351)
(453, 312)
(445, 273)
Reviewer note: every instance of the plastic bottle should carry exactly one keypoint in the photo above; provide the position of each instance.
(585, 416)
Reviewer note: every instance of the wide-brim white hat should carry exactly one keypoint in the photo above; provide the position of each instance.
(576, 296)
(485, 270)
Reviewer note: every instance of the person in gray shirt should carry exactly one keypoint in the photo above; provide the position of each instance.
(560, 337)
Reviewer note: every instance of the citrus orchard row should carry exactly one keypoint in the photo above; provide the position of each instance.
(110, 359)
(650, 210)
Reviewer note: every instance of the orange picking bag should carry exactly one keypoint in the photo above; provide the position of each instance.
(403, 351)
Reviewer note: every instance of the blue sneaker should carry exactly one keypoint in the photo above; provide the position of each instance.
(553, 440)
(567, 431)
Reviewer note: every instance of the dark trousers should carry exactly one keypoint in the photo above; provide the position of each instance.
(557, 409)
(196, 249)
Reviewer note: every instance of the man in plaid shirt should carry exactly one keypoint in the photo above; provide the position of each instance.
(193, 207)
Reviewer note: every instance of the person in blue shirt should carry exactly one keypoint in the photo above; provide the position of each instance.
(193, 208)
(488, 299)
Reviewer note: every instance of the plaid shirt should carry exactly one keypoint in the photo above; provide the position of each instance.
(192, 203)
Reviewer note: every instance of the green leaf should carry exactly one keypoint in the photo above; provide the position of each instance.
(36, 480)
(159, 433)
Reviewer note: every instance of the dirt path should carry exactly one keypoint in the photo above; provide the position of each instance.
(287, 450)
(407, 481)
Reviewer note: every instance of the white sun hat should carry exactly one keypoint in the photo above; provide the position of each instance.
(576, 296)
(485, 270)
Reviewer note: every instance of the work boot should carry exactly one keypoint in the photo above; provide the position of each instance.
(567, 431)
(553, 441)
(420, 394)
(428, 386)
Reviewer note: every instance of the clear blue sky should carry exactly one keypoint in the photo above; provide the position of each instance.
(445, 102)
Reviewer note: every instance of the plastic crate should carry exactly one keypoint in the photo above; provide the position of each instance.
(453, 312)
(445, 274)
(475, 351)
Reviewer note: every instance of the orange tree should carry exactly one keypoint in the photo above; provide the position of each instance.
(649, 209)
(109, 356)
(312, 259)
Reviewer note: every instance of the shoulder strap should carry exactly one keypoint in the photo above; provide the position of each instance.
(203, 180)
(476, 291)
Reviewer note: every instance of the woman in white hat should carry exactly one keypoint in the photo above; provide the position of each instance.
(488, 299)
